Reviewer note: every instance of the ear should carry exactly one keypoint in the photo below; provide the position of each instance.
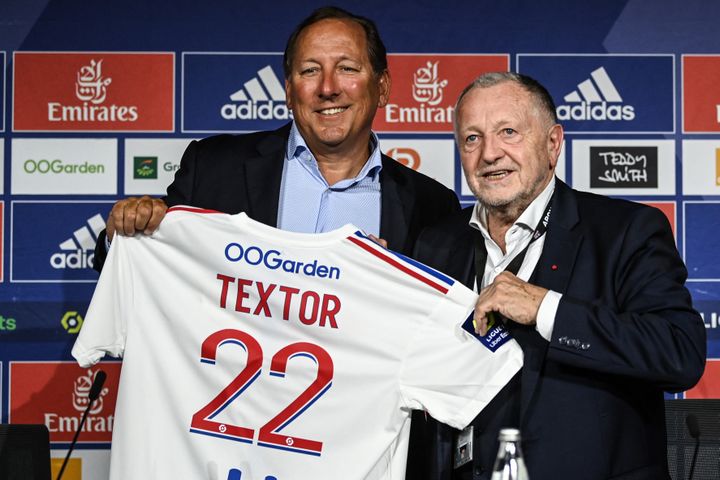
(288, 94)
(384, 88)
(554, 143)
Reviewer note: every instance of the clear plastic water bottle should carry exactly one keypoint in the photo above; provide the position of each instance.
(509, 464)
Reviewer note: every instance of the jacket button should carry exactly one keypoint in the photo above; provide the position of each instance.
(479, 471)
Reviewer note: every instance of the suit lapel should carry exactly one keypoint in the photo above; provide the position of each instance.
(553, 272)
(263, 176)
(396, 204)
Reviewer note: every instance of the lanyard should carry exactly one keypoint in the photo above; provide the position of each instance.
(514, 265)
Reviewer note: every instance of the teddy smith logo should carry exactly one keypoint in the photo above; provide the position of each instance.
(91, 88)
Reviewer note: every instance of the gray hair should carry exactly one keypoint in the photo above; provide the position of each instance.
(539, 94)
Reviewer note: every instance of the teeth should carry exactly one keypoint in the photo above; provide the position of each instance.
(496, 174)
(333, 111)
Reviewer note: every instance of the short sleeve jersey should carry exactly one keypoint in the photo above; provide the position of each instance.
(251, 353)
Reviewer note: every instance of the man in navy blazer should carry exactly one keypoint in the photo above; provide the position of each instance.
(336, 78)
(597, 300)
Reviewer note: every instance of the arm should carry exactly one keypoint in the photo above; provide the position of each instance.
(651, 333)
(642, 326)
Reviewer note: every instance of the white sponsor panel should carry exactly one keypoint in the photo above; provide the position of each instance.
(625, 170)
(434, 158)
(559, 172)
(93, 464)
(150, 164)
(64, 166)
(701, 167)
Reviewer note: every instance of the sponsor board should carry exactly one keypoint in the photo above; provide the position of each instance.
(700, 95)
(55, 394)
(232, 92)
(607, 93)
(701, 224)
(2, 240)
(701, 167)
(434, 158)
(2, 91)
(38, 320)
(150, 164)
(709, 384)
(2, 166)
(93, 91)
(85, 464)
(669, 209)
(86, 166)
(53, 242)
(559, 173)
(426, 86)
(624, 167)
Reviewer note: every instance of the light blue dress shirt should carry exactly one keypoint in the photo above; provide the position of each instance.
(309, 205)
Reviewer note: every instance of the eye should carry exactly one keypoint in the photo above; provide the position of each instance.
(470, 139)
(508, 132)
(348, 69)
(309, 70)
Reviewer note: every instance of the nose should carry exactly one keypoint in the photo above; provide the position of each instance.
(329, 86)
(490, 150)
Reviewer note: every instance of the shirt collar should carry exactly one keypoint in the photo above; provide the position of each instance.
(297, 149)
(529, 219)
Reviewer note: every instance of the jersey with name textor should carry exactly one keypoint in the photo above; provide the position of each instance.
(251, 353)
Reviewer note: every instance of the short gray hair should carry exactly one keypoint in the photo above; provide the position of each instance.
(538, 93)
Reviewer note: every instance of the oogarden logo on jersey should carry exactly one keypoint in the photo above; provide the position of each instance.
(608, 93)
(275, 260)
(93, 91)
(425, 88)
(56, 395)
(233, 92)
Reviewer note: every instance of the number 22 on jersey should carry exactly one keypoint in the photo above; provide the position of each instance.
(269, 434)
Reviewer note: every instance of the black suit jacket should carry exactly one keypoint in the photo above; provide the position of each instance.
(589, 403)
(242, 173)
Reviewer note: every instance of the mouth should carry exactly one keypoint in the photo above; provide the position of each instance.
(332, 111)
(496, 175)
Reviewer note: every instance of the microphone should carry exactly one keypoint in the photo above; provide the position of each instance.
(694, 429)
(93, 395)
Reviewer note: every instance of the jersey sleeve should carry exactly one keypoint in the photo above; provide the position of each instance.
(104, 329)
(450, 373)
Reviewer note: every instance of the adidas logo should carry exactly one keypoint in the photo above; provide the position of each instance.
(261, 98)
(595, 99)
(78, 250)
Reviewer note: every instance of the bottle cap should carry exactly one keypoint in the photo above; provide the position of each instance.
(509, 435)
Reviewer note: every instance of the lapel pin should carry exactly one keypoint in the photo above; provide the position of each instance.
(553, 267)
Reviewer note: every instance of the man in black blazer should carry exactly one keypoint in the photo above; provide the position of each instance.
(597, 300)
(335, 80)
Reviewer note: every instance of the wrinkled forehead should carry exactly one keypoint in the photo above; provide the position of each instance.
(504, 101)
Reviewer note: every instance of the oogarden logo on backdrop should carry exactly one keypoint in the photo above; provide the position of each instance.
(57, 166)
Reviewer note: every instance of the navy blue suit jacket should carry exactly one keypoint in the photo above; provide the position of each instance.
(590, 402)
(242, 173)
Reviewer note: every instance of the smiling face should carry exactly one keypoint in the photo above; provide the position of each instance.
(332, 88)
(508, 147)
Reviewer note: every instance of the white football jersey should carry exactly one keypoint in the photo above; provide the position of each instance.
(252, 353)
